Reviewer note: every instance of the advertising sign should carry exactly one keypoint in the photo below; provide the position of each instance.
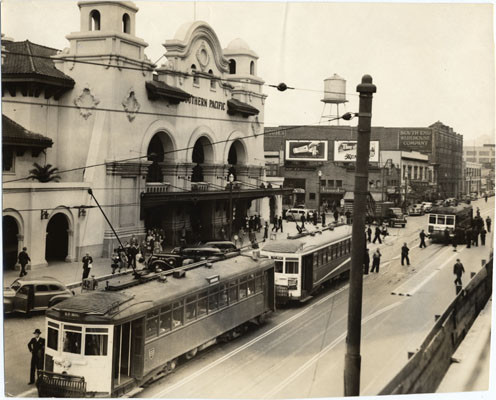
(345, 150)
(306, 150)
(416, 140)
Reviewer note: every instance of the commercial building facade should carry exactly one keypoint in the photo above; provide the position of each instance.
(485, 156)
(472, 178)
(156, 145)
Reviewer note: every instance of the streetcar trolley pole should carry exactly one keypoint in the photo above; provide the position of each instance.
(353, 357)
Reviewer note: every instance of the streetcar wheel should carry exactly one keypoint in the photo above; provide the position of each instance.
(171, 365)
(190, 354)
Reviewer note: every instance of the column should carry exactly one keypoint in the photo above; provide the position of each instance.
(70, 246)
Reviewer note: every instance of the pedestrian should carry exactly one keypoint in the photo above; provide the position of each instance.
(36, 347)
(475, 237)
(302, 219)
(348, 217)
(280, 223)
(488, 223)
(323, 216)
(275, 223)
(422, 236)
(315, 218)
(369, 234)
(122, 258)
(483, 236)
(266, 231)
(366, 262)
(377, 235)
(485, 197)
(143, 249)
(241, 236)
(447, 238)
(478, 212)
(87, 264)
(454, 240)
(458, 270)
(376, 260)
(468, 237)
(115, 262)
(23, 260)
(336, 215)
(384, 232)
(404, 254)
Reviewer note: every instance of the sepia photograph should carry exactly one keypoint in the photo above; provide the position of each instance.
(247, 199)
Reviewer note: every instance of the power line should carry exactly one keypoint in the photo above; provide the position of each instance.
(168, 72)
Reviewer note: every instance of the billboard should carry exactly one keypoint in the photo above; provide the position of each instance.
(306, 150)
(345, 150)
(416, 140)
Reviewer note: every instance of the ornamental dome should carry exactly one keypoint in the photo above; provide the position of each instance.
(239, 47)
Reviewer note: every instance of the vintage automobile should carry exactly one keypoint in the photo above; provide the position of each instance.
(225, 246)
(416, 209)
(427, 205)
(183, 256)
(33, 294)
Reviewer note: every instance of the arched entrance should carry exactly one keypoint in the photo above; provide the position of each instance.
(57, 238)
(202, 152)
(236, 156)
(160, 149)
(10, 242)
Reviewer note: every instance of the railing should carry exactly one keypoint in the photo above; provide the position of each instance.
(52, 384)
(157, 187)
(199, 186)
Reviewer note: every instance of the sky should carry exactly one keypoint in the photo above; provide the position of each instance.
(429, 62)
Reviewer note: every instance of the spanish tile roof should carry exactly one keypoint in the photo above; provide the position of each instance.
(16, 135)
(23, 59)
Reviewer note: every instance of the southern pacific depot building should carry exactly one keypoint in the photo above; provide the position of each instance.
(423, 163)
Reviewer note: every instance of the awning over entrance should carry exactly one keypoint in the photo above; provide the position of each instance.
(149, 200)
(238, 107)
(161, 90)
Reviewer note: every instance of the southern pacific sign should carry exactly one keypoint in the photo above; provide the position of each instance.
(416, 140)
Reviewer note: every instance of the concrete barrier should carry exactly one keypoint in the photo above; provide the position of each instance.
(427, 366)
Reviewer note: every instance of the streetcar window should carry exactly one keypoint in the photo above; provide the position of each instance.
(190, 311)
(177, 317)
(278, 266)
(72, 342)
(326, 255)
(432, 219)
(95, 345)
(349, 245)
(53, 338)
(223, 296)
(450, 220)
(440, 219)
(213, 302)
(202, 303)
(190, 299)
(152, 324)
(251, 285)
(165, 320)
(233, 292)
(243, 288)
(334, 251)
(292, 266)
(258, 284)
(315, 259)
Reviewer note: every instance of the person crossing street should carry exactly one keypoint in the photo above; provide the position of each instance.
(458, 271)
(422, 236)
(376, 261)
(377, 235)
(488, 223)
(404, 254)
(483, 236)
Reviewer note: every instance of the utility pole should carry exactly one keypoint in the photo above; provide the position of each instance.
(353, 357)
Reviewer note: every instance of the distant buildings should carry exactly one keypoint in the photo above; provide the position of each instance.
(483, 155)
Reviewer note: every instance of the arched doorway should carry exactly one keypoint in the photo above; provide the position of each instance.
(57, 238)
(202, 152)
(10, 242)
(160, 149)
(236, 156)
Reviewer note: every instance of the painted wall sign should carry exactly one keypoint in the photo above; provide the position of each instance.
(416, 140)
(202, 102)
(345, 150)
(306, 150)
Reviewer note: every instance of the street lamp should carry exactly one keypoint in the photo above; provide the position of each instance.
(320, 187)
(406, 191)
(231, 180)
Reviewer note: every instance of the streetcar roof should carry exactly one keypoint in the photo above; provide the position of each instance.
(307, 243)
(453, 210)
(126, 303)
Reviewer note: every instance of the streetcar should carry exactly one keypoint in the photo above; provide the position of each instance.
(304, 263)
(110, 342)
(454, 218)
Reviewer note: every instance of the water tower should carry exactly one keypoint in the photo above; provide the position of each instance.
(334, 95)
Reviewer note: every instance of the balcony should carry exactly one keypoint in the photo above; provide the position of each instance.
(200, 186)
(157, 187)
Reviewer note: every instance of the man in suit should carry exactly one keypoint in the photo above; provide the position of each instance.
(23, 260)
(37, 348)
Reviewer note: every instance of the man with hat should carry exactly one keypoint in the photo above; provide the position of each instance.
(37, 348)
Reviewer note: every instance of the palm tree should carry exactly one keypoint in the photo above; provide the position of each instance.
(44, 174)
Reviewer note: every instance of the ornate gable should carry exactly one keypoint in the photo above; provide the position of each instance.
(196, 43)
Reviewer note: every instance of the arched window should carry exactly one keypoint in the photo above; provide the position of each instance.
(196, 78)
(252, 68)
(212, 80)
(232, 66)
(126, 23)
(95, 20)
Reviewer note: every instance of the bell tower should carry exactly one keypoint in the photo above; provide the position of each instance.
(107, 28)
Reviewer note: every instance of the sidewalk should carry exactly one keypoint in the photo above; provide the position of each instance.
(470, 372)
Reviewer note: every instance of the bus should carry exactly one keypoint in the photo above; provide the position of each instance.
(454, 218)
(304, 263)
(110, 342)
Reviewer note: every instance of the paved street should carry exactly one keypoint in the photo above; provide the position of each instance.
(300, 351)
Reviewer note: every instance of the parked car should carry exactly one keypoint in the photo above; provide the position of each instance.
(416, 209)
(439, 203)
(225, 246)
(427, 205)
(294, 214)
(34, 294)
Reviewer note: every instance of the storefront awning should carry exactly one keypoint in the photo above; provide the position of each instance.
(149, 200)
(161, 90)
(238, 107)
